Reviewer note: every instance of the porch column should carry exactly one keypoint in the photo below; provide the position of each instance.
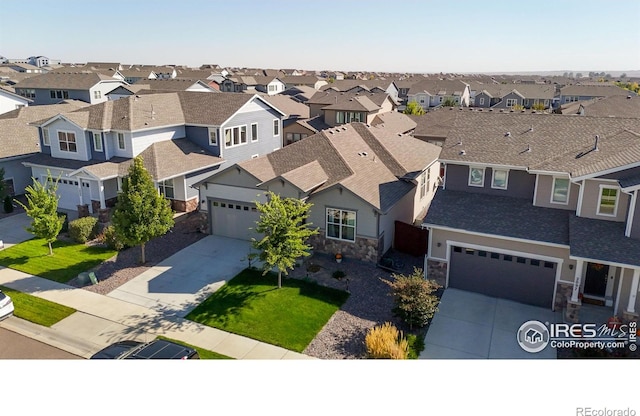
(631, 307)
(608, 294)
(80, 191)
(577, 281)
(103, 205)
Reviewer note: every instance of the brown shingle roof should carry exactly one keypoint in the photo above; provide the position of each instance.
(394, 121)
(593, 90)
(64, 80)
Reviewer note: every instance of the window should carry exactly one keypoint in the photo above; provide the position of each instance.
(67, 141)
(28, 93)
(608, 201)
(213, 137)
(343, 117)
(97, 142)
(423, 184)
(511, 102)
(476, 177)
(294, 137)
(234, 136)
(166, 188)
(45, 137)
(121, 142)
(276, 127)
(254, 132)
(272, 88)
(97, 95)
(500, 179)
(341, 224)
(482, 101)
(560, 192)
(60, 94)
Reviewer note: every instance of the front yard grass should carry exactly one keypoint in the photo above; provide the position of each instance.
(252, 305)
(37, 310)
(68, 260)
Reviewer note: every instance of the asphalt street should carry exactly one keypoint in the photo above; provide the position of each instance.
(16, 346)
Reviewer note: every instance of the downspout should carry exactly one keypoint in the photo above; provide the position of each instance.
(632, 210)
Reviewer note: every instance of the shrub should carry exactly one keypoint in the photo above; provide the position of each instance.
(414, 302)
(8, 204)
(110, 239)
(385, 341)
(539, 107)
(83, 229)
(338, 274)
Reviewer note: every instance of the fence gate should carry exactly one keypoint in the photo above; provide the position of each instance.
(410, 239)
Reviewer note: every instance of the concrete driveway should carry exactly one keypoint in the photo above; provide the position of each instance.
(178, 284)
(471, 325)
(12, 229)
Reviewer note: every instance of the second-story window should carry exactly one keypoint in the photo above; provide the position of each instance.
(45, 137)
(276, 127)
(234, 136)
(254, 132)
(608, 201)
(97, 142)
(213, 137)
(511, 102)
(121, 142)
(59, 94)
(560, 191)
(97, 94)
(500, 179)
(476, 177)
(343, 117)
(67, 141)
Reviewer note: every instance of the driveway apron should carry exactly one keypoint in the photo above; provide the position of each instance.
(12, 230)
(179, 283)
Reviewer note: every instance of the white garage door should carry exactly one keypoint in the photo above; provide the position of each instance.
(68, 191)
(235, 219)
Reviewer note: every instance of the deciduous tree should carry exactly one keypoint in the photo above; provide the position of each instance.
(141, 213)
(414, 302)
(413, 108)
(285, 233)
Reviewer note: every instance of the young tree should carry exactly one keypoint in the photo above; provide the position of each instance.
(413, 108)
(414, 301)
(449, 102)
(42, 207)
(141, 213)
(283, 224)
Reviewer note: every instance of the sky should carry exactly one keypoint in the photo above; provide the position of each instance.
(461, 36)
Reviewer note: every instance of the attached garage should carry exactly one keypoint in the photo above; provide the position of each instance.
(68, 192)
(522, 279)
(234, 219)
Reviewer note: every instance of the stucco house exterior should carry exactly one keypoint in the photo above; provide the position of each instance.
(183, 137)
(360, 180)
(541, 209)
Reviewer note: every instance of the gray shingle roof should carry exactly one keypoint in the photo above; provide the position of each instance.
(365, 160)
(593, 90)
(629, 181)
(603, 240)
(498, 215)
(64, 80)
(614, 106)
(349, 100)
(394, 121)
(545, 142)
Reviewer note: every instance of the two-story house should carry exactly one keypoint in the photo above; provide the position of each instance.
(540, 209)
(511, 95)
(434, 93)
(343, 107)
(182, 137)
(53, 87)
(360, 179)
(583, 92)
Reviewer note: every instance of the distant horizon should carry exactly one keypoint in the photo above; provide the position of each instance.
(420, 37)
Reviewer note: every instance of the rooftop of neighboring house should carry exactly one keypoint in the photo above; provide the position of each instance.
(354, 156)
(26, 67)
(394, 121)
(301, 93)
(438, 87)
(435, 124)
(524, 90)
(347, 84)
(10, 91)
(593, 90)
(544, 142)
(167, 85)
(288, 105)
(299, 79)
(314, 124)
(349, 101)
(613, 106)
(147, 111)
(65, 80)
(17, 136)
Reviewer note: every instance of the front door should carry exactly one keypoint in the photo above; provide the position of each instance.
(595, 281)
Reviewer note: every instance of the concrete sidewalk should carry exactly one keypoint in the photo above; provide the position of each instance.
(102, 320)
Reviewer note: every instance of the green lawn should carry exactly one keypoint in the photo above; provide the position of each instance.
(252, 305)
(204, 354)
(37, 310)
(68, 260)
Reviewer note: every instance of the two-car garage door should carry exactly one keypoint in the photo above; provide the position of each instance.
(235, 219)
(521, 279)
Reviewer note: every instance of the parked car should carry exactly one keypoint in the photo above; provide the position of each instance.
(6, 306)
(156, 349)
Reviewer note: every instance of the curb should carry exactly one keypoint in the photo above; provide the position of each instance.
(51, 337)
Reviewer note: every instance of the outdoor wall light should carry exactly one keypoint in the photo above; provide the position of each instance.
(571, 267)
(439, 244)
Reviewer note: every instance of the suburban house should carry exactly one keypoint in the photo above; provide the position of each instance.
(183, 137)
(53, 87)
(395, 122)
(343, 107)
(253, 84)
(433, 93)
(360, 180)
(541, 209)
(175, 84)
(510, 95)
(583, 92)
(20, 140)
(434, 126)
(303, 80)
(614, 106)
(9, 100)
(364, 86)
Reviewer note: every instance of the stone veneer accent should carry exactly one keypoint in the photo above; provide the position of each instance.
(95, 206)
(572, 310)
(184, 206)
(563, 292)
(103, 215)
(367, 249)
(437, 270)
(83, 210)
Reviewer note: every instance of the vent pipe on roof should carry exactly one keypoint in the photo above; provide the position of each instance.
(507, 134)
(463, 152)
(595, 146)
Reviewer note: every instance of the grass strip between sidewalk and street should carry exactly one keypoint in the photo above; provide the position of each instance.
(68, 259)
(251, 305)
(204, 354)
(37, 310)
